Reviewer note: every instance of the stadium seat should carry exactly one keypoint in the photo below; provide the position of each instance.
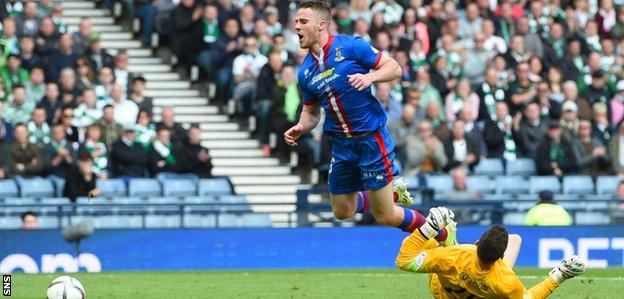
(144, 187)
(514, 218)
(578, 184)
(413, 182)
(162, 221)
(164, 176)
(521, 206)
(35, 187)
(512, 185)
(128, 205)
(56, 201)
(481, 183)
(179, 187)
(200, 199)
(170, 205)
(607, 184)
(521, 166)
(8, 188)
(245, 220)
(59, 185)
(214, 187)
(591, 218)
(544, 183)
(112, 187)
(10, 222)
(439, 183)
(20, 205)
(490, 167)
(199, 221)
(48, 222)
(121, 221)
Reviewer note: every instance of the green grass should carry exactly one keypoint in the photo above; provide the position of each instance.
(372, 283)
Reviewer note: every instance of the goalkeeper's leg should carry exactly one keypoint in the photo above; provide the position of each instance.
(569, 268)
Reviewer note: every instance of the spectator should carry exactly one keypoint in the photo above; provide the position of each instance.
(401, 128)
(38, 129)
(145, 130)
(460, 190)
(68, 86)
(425, 152)
(433, 114)
(27, 23)
(493, 42)
(144, 10)
(460, 150)
(516, 53)
(617, 105)
(279, 46)
(473, 130)
(9, 36)
(13, 73)
(87, 113)
(194, 158)
(557, 156)
(597, 91)
(162, 155)
(391, 11)
(489, 93)
(27, 53)
(547, 212)
(591, 154)
(531, 132)
(96, 150)
(428, 94)
(85, 73)
(522, 90)
(476, 60)
(390, 104)
(81, 180)
(58, 155)
(29, 220)
(136, 94)
(63, 57)
(267, 79)
(225, 50)
(51, 103)
(549, 107)
(82, 36)
(35, 86)
(247, 19)
(569, 121)
(71, 132)
(183, 18)
(245, 70)
(6, 129)
(104, 85)
(532, 42)
(498, 134)
(458, 99)
(209, 34)
(18, 110)
(128, 157)
(600, 123)
(98, 55)
(25, 156)
(126, 111)
(111, 130)
(123, 77)
(167, 120)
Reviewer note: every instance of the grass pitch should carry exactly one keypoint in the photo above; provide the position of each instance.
(372, 283)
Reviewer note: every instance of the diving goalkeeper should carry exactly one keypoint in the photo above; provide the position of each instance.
(473, 271)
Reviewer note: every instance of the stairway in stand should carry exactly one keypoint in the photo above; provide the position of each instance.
(234, 152)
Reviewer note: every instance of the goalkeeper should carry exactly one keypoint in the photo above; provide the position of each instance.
(473, 271)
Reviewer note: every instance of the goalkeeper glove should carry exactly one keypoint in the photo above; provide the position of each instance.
(569, 267)
(438, 218)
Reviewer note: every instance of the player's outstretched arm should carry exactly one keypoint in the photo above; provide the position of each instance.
(386, 70)
(309, 119)
(569, 268)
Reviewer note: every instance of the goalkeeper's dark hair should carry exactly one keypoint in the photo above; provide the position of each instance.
(492, 244)
(320, 6)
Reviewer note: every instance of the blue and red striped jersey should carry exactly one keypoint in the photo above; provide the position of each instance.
(325, 80)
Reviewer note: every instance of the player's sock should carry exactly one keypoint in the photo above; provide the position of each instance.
(363, 203)
(413, 220)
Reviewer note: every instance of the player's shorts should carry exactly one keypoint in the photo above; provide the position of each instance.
(362, 163)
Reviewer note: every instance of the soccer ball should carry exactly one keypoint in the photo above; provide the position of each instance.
(65, 287)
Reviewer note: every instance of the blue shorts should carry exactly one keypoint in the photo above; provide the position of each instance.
(362, 163)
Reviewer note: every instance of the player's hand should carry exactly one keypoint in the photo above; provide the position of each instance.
(293, 134)
(360, 81)
(569, 268)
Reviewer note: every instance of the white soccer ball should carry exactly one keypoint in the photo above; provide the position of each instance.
(65, 287)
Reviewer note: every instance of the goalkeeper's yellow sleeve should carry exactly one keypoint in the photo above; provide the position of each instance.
(542, 289)
(417, 254)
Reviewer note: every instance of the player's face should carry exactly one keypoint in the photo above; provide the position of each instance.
(307, 26)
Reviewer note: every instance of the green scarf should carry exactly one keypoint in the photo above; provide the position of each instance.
(166, 151)
(292, 101)
(211, 31)
(38, 136)
(99, 163)
(557, 154)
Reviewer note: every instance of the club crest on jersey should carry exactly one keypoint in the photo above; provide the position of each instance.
(339, 56)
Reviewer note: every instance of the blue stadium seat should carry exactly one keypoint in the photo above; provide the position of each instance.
(514, 218)
(527, 197)
(214, 187)
(88, 206)
(20, 205)
(57, 201)
(512, 185)
(112, 187)
(413, 182)
(544, 183)
(162, 221)
(144, 187)
(35, 187)
(121, 221)
(200, 199)
(199, 221)
(179, 187)
(439, 183)
(48, 222)
(490, 167)
(607, 185)
(59, 184)
(521, 166)
(481, 183)
(521, 206)
(578, 184)
(163, 176)
(8, 188)
(245, 220)
(591, 218)
(171, 205)
(10, 222)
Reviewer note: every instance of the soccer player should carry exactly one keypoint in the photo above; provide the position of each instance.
(337, 74)
(473, 271)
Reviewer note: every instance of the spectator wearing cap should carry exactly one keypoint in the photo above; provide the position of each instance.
(111, 130)
(38, 128)
(61, 58)
(27, 22)
(18, 110)
(591, 154)
(58, 155)
(128, 157)
(194, 158)
(498, 133)
(556, 153)
(28, 55)
(13, 73)
(80, 180)
(163, 155)
(126, 111)
(25, 156)
(123, 77)
(569, 120)
(97, 150)
(617, 104)
(547, 212)
(35, 86)
(137, 89)
(82, 36)
(87, 112)
(532, 131)
(98, 55)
